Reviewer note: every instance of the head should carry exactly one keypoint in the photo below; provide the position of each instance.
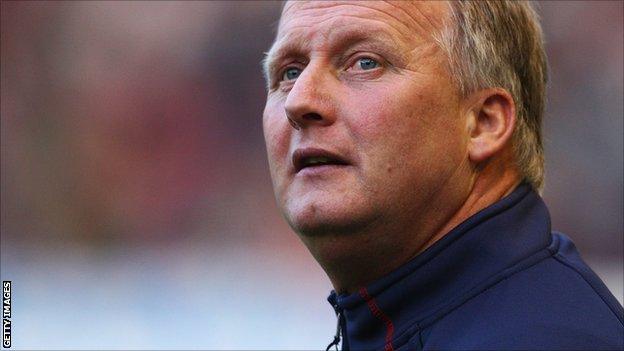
(404, 103)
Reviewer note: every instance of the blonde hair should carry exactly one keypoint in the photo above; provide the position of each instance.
(500, 44)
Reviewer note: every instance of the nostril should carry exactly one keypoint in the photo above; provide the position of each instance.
(312, 117)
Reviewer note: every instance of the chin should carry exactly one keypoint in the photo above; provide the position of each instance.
(329, 216)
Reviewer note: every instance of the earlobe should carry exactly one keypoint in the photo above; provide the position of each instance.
(491, 123)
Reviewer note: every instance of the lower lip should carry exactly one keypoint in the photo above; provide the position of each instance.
(319, 170)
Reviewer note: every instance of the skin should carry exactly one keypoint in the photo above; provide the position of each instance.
(422, 157)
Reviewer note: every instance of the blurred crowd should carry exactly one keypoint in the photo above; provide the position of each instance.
(136, 127)
(132, 123)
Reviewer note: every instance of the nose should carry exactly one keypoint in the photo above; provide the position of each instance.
(310, 101)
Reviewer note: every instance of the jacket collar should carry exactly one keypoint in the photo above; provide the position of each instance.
(485, 244)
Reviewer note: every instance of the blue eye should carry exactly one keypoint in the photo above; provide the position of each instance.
(291, 73)
(367, 63)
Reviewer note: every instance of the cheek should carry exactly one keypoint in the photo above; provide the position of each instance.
(404, 128)
(277, 137)
(387, 122)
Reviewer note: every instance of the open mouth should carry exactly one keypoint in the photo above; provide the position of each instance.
(313, 157)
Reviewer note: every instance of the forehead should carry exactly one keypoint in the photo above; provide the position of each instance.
(407, 22)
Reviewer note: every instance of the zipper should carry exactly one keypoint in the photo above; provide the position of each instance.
(339, 317)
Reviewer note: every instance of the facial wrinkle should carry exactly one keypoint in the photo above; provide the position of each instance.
(366, 18)
(405, 32)
(435, 25)
(326, 36)
(428, 30)
(361, 4)
(396, 19)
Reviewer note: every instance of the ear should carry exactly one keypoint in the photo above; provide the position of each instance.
(491, 122)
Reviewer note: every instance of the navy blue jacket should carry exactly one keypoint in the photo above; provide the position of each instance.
(499, 280)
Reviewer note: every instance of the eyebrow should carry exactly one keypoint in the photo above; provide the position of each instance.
(295, 46)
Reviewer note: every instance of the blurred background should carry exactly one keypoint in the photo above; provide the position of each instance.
(136, 204)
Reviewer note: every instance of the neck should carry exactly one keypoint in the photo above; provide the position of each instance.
(354, 260)
(494, 183)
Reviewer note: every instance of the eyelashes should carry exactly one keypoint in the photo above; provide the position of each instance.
(366, 63)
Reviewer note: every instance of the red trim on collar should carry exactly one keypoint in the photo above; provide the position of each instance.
(377, 312)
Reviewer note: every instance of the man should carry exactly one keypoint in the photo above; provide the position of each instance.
(404, 143)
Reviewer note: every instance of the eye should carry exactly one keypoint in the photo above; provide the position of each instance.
(366, 63)
(291, 73)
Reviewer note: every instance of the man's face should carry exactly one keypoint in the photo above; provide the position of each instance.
(362, 122)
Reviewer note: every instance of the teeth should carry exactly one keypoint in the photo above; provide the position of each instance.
(316, 160)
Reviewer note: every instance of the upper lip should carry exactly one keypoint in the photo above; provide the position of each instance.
(301, 155)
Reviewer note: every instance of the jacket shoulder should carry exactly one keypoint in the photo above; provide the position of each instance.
(557, 303)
